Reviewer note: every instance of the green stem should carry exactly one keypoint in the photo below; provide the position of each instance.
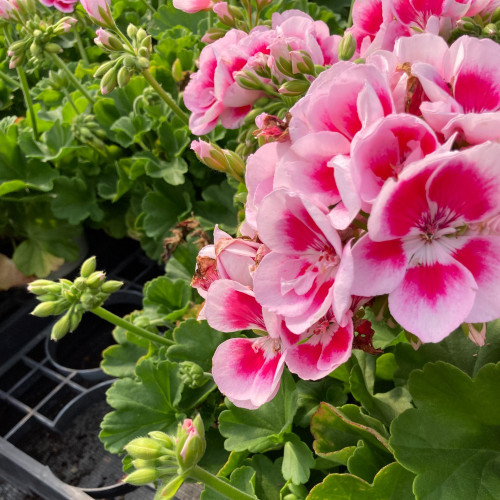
(81, 48)
(170, 102)
(62, 65)
(70, 100)
(9, 80)
(27, 98)
(218, 485)
(137, 330)
(25, 89)
(349, 19)
(150, 7)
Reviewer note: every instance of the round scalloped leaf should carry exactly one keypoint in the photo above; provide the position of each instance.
(451, 440)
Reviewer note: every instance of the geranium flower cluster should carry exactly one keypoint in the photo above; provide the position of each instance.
(260, 60)
(387, 183)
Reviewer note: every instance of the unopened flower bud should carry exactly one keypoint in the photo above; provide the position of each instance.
(170, 489)
(61, 327)
(142, 476)
(495, 17)
(104, 68)
(51, 308)
(145, 448)
(52, 48)
(177, 73)
(490, 29)
(293, 88)
(131, 31)
(212, 35)
(190, 442)
(129, 62)
(111, 286)
(162, 438)
(248, 80)
(109, 81)
(143, 62)
(192, 374)
(123, 76)
(90, 301)
(47, 297)
(347, 47)
(141, 35)
(96, 279)
(88, 267)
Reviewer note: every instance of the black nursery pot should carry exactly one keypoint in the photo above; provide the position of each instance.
(81, 351)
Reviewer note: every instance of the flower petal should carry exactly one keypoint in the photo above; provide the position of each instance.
(433, 300)
(231, 307)
(247, 371)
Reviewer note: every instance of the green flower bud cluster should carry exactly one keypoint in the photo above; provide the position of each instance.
(487, 26)
(37, 44)
(160, 457)
(87, 130)
(126, 59)
(73, 298)
(192, 374)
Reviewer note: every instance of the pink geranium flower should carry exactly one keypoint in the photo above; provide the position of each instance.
(7, 8)
(192, 6)
(380, 152)
(66, 6)
(342, 99)
(422, 247)
(302, 275)
(248, 370)
(462, 91)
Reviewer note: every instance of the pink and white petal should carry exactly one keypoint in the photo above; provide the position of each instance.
(481, 256)
(321, 354)
(320, 301)
(424, 48)
(232, 118)
(342, 285)
(433, 300)
(231, 306)
(471, 66)
(273, 271)
(285, 225)
(247, 371)
(432, 82)
(474, 128)
(400, 204)
(379, 267)
(346, 184)
(475, 197)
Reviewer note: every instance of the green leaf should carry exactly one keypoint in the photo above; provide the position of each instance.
(386, 405)
(384, 335)
(183, 262)
(215, 456)
(73, 201)
(196, 341)
(312, 393)
(269, 479)
(242, 478)
(393, 482)
(166, 299)
(217, 208)
(297, 460)
(456, 349)
(451, 440)
(120, 360)
(31, 258)
(163, 209)
(345, 436)
(171, 171)
(129, 129)
(262, 429)
(142, 405)
(168, 17)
